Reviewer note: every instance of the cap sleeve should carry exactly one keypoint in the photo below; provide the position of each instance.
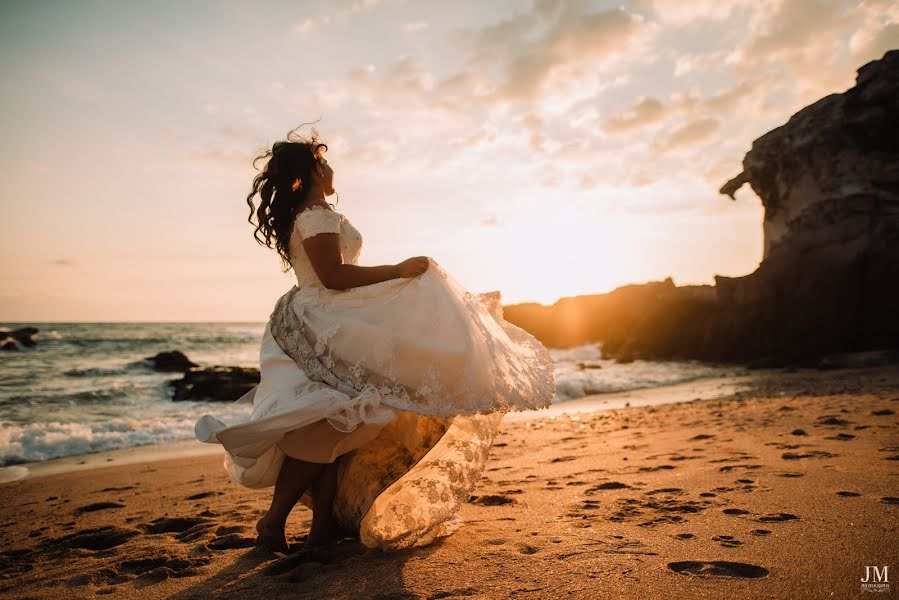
(316, 220)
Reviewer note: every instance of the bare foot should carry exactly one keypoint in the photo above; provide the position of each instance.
(271, 536)
(324, 530)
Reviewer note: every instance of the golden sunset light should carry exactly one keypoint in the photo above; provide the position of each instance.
(408, 299)
(544, 150)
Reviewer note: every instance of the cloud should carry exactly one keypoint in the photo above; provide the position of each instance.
(790, 26)
(643, 112)
(687, 12)
(690, 134)
(360, 7)
(700, 63)
(586, 181)
(814, 47)
(527, 49)
(648, 111)
(873, 41)
(483, 134)
(311, 24)
(415, 26)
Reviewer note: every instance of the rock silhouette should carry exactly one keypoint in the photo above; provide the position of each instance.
(829, 183)
(18, 338)
(224, 384)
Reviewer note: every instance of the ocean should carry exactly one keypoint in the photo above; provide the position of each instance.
(86, 388)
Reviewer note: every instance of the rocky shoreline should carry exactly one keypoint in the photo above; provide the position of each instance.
(829, 182)
(216, 383)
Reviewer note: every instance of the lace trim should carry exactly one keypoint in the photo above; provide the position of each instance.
(317, 219)
(518, 384)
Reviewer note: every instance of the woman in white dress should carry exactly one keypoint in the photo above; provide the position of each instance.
(381, 388)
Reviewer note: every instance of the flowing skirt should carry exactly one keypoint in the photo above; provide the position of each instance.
(403, 383)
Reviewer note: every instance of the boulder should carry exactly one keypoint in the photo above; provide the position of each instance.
(221, 384)
(18, 338)
(173, 361)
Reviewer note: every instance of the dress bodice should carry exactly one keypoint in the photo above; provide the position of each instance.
(314, 221)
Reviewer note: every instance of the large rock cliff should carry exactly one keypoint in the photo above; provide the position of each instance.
(829, 279)
(829, 182)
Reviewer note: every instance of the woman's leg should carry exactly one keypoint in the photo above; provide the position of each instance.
(324, 528)
(293, 480)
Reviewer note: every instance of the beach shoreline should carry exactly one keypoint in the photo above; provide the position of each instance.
(701, 388)
(786, 486)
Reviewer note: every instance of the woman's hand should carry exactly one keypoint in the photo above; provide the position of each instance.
(413, 267)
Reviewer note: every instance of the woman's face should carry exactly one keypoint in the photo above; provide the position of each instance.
(325, 177)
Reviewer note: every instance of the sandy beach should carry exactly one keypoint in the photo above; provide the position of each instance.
(784, 487)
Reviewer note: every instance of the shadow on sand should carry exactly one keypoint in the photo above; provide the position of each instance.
(345, 569)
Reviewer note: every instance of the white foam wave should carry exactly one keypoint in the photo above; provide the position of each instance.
(8, 474)
(581, 372)
(42, 441)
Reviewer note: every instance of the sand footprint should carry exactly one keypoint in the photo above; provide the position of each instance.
(718, 568)
(97, 506)
(727, 541)
(305, 563)
(809, 454)
(491, 500)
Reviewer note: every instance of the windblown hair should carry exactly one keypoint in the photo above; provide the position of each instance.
(289, 161)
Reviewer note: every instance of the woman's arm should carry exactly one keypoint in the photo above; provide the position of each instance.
(324, 253)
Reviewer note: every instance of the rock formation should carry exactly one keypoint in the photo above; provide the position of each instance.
(224, 384)
(173, 361)
(829, 279)
(829, 182)
(18, 339)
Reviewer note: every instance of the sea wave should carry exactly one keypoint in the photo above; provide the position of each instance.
(108, 394)
(96, 372)
(42, 441)
(582, 372)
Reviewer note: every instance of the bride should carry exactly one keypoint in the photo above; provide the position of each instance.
(382, 387)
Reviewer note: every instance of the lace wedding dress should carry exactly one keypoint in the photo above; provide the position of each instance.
(403, 382)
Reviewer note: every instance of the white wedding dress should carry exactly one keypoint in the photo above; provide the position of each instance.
(404, 382)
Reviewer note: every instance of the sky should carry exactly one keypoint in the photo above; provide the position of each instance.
(540, 148)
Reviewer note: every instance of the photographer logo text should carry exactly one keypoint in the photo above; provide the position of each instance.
(876, 579)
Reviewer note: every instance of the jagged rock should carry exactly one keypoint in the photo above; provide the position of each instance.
(225, 384)
(18, 338)
(173, 361)
(829, 182)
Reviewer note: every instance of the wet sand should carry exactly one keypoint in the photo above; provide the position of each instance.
(787, 487)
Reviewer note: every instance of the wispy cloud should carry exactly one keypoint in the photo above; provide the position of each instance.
(415, 26)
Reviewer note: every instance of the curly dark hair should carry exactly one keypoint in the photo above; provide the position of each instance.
(283, 186)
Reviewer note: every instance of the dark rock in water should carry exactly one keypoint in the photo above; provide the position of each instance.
(829, 183)
(18, 338)
(224, 384)
(173, 361)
